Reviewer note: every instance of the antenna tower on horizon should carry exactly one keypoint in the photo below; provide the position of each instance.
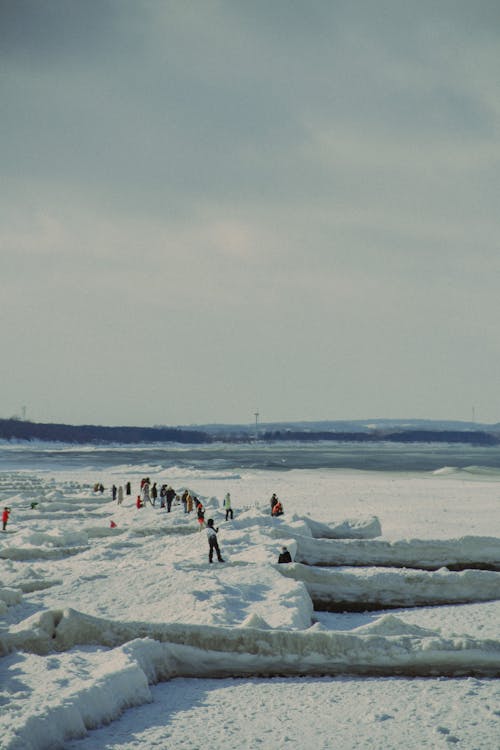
(256, 415)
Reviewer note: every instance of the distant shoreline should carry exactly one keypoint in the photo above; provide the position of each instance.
(26, 431)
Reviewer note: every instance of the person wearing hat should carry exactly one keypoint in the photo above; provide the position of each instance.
(285, 556)
(213, 544)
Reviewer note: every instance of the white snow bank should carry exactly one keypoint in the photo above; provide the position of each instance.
(99, 685)
(8, 598)
(362, 528)
(25, 578)
(102, 686)
(53, 538)
(209, 651)
(276, 527)
(38, 553)
(468, 551)
(43, 545)
(378, 589)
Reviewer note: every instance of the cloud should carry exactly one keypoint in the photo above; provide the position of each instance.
(278, 193)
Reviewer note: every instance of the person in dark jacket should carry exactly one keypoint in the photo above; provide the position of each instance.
(285, 556)
(170, 495)
(212, 541)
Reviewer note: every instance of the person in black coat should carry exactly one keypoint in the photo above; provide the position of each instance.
(170, 495)
(285, 556)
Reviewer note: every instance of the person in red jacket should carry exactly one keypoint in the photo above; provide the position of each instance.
(277, 509)
(5, 517)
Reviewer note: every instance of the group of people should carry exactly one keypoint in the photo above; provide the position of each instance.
(149, 493)
(167, 496)
(117, 492)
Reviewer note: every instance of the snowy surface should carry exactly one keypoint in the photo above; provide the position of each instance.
(126, 637)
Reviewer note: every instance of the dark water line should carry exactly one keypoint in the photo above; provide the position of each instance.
(457, 567)
(344, 606)
(272, 457)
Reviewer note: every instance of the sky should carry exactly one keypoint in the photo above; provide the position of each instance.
(210, 208)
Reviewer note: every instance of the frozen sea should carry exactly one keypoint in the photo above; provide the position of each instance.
(383, 633)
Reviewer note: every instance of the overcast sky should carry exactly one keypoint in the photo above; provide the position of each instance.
(213, 207)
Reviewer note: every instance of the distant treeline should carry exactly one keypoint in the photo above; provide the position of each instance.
(406, 436)
(16, 429)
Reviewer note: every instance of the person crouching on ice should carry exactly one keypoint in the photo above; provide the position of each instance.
(285, 556)
(212, 541)
(277, 509)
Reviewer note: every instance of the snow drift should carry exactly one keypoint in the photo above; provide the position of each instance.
(375, 589)
(428, 554)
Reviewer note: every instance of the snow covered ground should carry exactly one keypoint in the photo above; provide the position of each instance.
(126, 637)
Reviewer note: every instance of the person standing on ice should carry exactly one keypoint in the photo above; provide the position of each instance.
(145, 493)
(273, 501)
(170, 495)
(113, 491)
(227, 506)
(154, 494)
(128, 489)
(184, 500)
(5, 518)
(213, 544)
(120, 495)
(200, 512)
